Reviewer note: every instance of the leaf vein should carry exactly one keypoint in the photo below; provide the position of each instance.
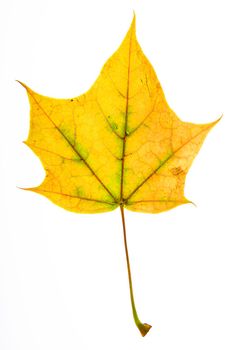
(77, 197)
(164, 162)
(72, 146)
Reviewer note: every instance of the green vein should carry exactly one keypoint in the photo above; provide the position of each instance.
(126, 120)
(71, 145)
(77, 197)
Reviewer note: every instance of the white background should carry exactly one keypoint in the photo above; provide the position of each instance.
(63, 278)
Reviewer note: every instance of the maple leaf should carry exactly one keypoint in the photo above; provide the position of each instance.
(117, 145)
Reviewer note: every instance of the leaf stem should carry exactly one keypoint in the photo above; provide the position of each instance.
(143, 327)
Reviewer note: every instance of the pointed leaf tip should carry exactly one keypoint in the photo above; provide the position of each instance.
(23, 84)
(133, 23)
(219, 119)
(18, 81)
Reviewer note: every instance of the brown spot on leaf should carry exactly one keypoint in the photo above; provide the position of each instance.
(177, 171)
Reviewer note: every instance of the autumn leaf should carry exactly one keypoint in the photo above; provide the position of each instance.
(117, 145)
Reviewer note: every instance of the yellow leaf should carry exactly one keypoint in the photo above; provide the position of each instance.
(119, 144)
